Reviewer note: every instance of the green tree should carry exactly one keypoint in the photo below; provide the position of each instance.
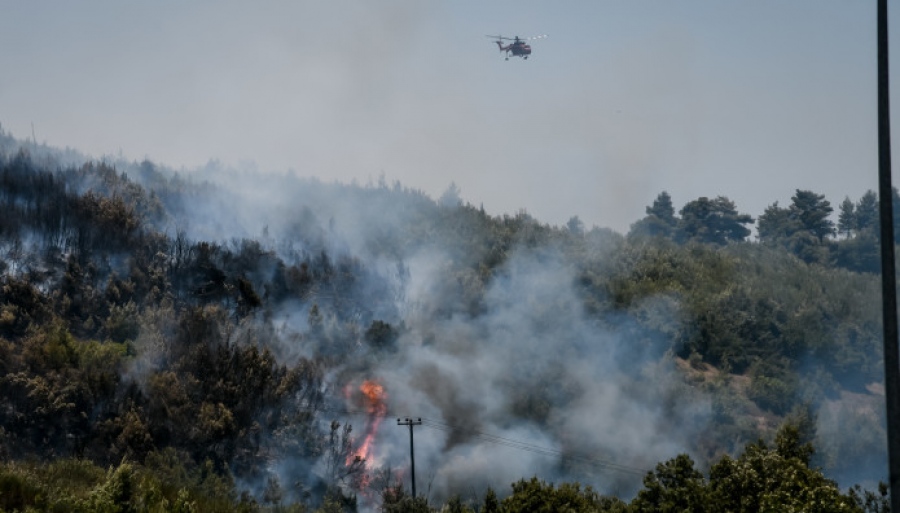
(866, 219)
(456, 505)
(715, 221)
(775, 224)
(860, 253)
(674, 486)
(536, 496)
(381, 335)
(491, 503)
(114, 495)
(394, 499)
(847, 218)
(575, 226)
(802, 228)
(660, 220)
(860, 249)
(772, 386)
(812, 211)
(779, 479)
(872, 502)
(662, 209)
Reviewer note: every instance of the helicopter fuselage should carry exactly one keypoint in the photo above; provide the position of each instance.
(518, 46)
(517, 49)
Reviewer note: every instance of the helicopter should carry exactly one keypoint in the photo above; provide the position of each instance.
(518, 47)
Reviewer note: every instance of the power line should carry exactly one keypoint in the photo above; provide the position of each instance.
(525, 446)
(509, 442)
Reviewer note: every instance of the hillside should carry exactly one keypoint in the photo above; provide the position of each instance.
(232, 321)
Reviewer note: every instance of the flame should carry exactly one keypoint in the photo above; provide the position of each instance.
(373, 397)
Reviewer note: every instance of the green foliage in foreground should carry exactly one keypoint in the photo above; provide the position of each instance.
(763, 478)
(73, 485)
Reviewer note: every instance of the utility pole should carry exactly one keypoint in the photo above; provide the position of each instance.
(412, 458)
(888, 273)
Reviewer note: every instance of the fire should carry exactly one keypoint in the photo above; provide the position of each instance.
(373, 397)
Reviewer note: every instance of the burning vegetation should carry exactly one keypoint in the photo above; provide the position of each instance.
(206, 357)
(371, 397)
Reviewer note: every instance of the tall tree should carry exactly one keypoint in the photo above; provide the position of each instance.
(660, 220)
(811, 210)
(867, 212)
(803, 227)
(674, 486)
(861, 252)
(846, 218)
(662, 209)
(715, 221)
(775, 224)
(575, 226)
(789, 484)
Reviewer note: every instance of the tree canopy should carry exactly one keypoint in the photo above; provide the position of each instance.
(152, 363)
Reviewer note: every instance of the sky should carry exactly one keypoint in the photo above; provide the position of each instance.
(748, 99)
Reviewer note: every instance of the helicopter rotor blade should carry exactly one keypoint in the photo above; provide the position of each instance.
(542, 36)
(500, 37)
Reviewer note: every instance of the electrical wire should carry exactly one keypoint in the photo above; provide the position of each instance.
(509, 442)
(525, 446)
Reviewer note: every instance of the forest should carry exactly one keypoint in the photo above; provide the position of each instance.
(228, 340)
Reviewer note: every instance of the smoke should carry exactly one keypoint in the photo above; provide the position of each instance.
(531, 386)
(511, 376)
(850, 418)
(852, 432)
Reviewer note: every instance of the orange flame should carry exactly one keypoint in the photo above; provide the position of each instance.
(374, 399)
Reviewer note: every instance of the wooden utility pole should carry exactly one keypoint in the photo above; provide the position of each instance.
(412, 458)
(888, 273)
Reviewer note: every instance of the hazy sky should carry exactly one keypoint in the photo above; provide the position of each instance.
(749, 99)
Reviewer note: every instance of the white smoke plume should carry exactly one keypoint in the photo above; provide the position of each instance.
(533, 368)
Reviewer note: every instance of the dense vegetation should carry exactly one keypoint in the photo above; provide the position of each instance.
(151, 358)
